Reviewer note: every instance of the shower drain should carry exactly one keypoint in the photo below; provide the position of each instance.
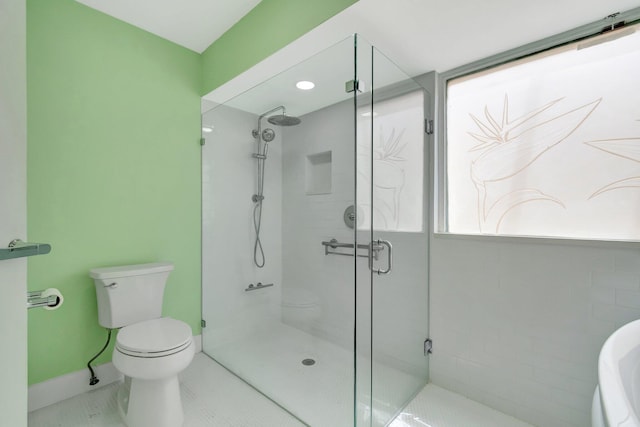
(308, 362)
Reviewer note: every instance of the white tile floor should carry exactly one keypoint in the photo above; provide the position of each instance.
(271, 361)
(437, 407)
(214, 397)
(211, 396)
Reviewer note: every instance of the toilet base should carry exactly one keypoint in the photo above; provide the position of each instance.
(151, 403)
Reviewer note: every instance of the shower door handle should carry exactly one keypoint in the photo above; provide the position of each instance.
(389, 247)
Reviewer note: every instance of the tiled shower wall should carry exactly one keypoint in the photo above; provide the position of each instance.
(518, 324)
(310, 219)
(228, 236)
(398, 309)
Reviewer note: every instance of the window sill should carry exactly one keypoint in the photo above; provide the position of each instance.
(492, 238)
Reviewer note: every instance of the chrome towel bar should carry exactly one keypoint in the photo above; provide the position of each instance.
(18, 249)
(334, 244)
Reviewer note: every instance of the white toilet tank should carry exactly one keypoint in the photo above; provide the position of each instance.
(131, 293)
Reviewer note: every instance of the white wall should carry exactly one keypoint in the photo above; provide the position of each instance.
(229, 181)
(518, 324)
(13, 192)
(311, 219)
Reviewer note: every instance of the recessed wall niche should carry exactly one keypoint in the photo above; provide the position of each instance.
(318, 173)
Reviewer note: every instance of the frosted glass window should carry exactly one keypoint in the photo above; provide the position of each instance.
(398, 163)
(548, 145)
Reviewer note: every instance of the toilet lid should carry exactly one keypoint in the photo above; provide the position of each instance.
(154, 338)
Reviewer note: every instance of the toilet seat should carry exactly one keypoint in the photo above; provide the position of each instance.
(154, 338)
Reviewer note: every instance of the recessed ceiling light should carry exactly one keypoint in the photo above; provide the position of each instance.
(207, 129)
(305, 85)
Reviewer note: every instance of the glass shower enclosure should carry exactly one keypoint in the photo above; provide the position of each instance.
(314, 281)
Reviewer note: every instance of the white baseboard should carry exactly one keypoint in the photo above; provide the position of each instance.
(197, 341)
(66, 386)
(69, 385)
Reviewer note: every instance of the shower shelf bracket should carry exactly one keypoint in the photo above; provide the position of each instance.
(257, 286)
(331, 245)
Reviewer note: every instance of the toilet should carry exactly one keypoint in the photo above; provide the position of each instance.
(150, 350)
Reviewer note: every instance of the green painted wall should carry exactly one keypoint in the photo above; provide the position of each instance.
(113, 170)
(114, 158)
(270, 26)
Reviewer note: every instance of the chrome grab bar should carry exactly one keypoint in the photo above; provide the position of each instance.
(334, 244)
(17, 249)
(382, 243)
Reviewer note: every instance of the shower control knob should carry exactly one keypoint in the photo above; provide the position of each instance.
(251, 286)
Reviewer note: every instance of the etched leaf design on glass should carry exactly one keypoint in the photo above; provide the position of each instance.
(390, 174)
(509, 146)
(628, 148)
(504, 204)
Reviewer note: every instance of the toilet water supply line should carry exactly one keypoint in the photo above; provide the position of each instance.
(94, 379)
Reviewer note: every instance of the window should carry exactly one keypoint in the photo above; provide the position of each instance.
(548, 145)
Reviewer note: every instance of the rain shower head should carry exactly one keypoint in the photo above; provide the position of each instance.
(284, 120)
(279, 120)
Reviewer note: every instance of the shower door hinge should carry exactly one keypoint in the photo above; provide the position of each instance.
(203, 323)
(428, 126)
(428, 346)
(353, 85)
(202, 141)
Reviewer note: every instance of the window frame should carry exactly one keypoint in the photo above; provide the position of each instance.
(440, 222)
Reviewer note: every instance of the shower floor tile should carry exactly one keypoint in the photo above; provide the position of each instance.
(437, 407)
(212, 396)
(321, 395)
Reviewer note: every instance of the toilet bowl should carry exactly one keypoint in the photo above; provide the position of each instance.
(150, 349)
(151, 354)
(300, 307)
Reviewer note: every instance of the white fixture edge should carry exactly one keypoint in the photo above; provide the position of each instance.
(66, 386)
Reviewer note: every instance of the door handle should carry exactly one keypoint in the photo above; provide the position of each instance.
(389, 247)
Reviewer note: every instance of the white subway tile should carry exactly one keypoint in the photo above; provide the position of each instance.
(604, 295)
(618, 280)
(615, 313)
(627, 261)
(625, 298)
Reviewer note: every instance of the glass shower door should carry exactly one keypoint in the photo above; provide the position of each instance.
(314, 284)
(279, 310)
(392, 199)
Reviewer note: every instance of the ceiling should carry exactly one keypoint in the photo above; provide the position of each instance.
(194, 24)
(417, 35)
